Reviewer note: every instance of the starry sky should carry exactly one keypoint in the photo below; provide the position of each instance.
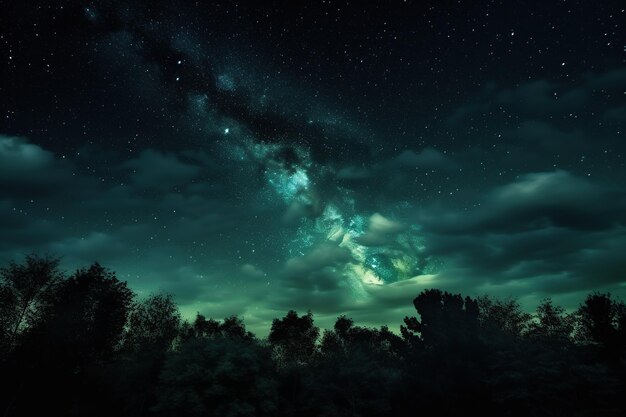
(332, 156)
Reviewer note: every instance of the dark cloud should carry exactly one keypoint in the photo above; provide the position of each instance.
(21, 233)
(538, 200)
(25, 164)
(319, 259)
(615, 114)
(539, 98)
(153, 169)
(550, 230)
(543, 135)
(353, 173)
(428, 158)
(612, 80)
(90, 248)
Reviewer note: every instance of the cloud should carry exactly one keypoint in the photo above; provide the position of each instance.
(537, 200)
(380, 231)
(611, 80)
(545, 135)
(542, 98)
(252, 271)
(428, 158)
(353, 173)
(156, 170)
(549, 232)
(18, 156)
(22, 232)
(318, 259)
(615, 114)
(27, 164)
(92, 247)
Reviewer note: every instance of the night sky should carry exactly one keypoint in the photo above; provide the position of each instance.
(332, 156)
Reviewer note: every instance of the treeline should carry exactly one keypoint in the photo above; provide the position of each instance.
(84, 345)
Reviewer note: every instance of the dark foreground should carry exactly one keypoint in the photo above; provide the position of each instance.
(82, 345)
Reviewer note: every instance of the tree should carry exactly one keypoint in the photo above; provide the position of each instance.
(294, 338)
(153, 327)
(346, 337)
(220, 377)
(90, 313)
(601, 321)
(445, 319)
(551, 324)
(81, 331)
(446, 355)
(27, 292)
(231, 327)
(7, 319)
(502, 320)
(358, 370)
(234, 327)
(199, 328)
(360, 383)
(153, 324)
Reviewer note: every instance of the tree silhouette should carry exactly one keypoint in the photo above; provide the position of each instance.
(232, 327)
(217, 377)
(152, 328)
(26, 293)
(294, 338)
(601, 321)
(502, 318)
(153, 324)
(346, 338)
(90, 313)
(201, 327)
(445, 319)
(551, 324)
(81, 345)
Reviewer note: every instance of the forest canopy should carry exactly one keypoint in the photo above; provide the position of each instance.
(84, 344)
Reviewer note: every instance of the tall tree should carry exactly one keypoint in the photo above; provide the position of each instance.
(153, 327)
(445, 319)
(91, 312)
(502, 321)
(153, 324)
(294, 338)
(27, 292)
(552, 324)
(601, 321)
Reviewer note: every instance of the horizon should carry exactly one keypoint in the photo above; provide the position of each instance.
(261, 328)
